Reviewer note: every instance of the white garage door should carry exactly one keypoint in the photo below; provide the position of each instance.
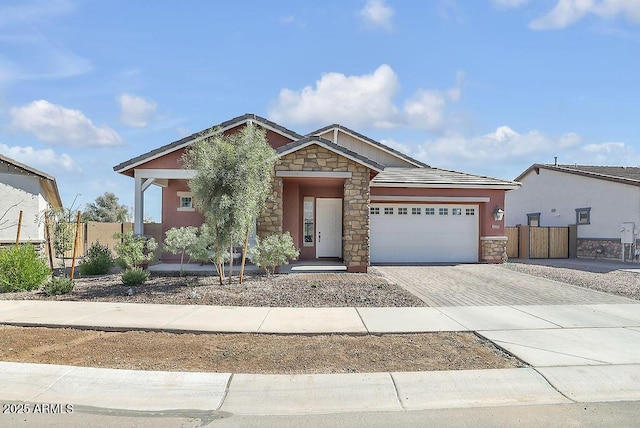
(413, 233)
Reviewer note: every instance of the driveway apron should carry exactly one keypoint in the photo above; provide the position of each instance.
(489, 285)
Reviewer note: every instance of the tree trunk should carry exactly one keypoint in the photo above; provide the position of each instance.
(244, 255)
(230, 261)
(219, 258)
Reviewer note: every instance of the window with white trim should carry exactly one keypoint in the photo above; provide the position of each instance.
(402, 211)
(374, 210)
(470, 211)
(185, 202)
(429, 211)
(456, 211)
(388, 210)
(443, 211)
(416, 211)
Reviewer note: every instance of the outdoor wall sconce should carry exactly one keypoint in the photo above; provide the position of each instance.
(498, 213)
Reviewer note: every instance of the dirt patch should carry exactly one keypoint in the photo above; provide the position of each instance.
(293, 290)
(251, 353)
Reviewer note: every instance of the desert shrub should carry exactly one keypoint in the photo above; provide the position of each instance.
(273, 251)
(98, 260)
(134, 276)
(134, 250)
(178, 240)
(22, 269)
(58, 285)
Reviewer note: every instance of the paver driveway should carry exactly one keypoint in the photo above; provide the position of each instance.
(489, 285)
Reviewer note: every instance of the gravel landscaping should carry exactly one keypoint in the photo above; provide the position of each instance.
(602, 276)
(292, 290)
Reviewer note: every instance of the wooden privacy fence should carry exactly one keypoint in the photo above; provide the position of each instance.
(540, 242)
(92, 232)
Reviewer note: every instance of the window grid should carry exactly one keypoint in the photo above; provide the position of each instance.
(470, 211)
(456, 211)
(416, 211)
(388, 210)
(186, 202)
(429, 211)
(402, 211)
(443, 211)
(374, 210)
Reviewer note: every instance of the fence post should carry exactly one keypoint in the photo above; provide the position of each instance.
(524, 238)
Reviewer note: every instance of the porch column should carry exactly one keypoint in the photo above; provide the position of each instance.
(141, 184)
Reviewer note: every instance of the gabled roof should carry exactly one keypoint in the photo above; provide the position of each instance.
(620, 174)
(371, 142)
(186, 141)
(329, 145)
(436, 177)
(48, 182)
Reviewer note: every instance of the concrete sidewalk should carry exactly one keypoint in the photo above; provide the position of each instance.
(580, 353)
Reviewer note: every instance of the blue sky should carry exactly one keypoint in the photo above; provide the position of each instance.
(484, 86)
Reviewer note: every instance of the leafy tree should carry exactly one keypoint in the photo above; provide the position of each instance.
(178, 240)
(233, 179)
(106, 209)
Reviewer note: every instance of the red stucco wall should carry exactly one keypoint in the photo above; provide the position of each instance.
(171, 217)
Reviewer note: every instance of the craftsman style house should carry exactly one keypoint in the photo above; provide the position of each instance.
(343, 195)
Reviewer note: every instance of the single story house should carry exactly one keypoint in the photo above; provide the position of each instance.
(345, 196)
(603, 201)
(25, 189)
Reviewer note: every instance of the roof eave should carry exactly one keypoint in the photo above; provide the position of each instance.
(184, 142)
(506, 186)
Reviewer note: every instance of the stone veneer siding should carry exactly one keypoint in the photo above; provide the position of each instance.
(494, 249)
(602, 248)
(355, 213)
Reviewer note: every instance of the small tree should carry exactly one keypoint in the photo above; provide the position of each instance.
(62, 231)
(106, 209)
(178, 240)
(134, 251)
(233, 179)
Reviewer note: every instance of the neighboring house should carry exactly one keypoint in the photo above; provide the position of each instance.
(343, 195)
(28, 190)
(603, 201)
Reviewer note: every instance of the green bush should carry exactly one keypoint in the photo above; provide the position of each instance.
(21, 269)
(273, 251)
(134, 276)
(134, 250)
(98, 260)
(58, 285)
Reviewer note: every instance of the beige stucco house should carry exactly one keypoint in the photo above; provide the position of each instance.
(26, 189)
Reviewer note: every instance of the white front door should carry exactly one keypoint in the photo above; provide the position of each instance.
(328, 227)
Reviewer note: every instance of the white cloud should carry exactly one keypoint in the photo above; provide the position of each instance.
(508, 4)
(568, 12)
(376, 13)
(136, 111)
(355, 100)
(504, 145)
(44, 159)
(362, 101)
(55, 124)
(291, 20)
